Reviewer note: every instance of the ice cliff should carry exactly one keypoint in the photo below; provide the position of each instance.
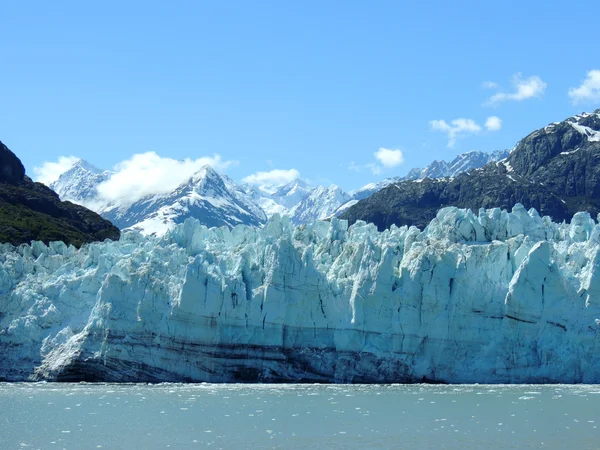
(495, 296)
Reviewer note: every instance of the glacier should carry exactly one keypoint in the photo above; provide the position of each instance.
(486, 297)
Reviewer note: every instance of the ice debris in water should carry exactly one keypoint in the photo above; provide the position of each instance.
(495, 296)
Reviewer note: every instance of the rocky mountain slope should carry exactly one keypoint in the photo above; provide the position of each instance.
(555, 170)
(437, 169)
(31, 211)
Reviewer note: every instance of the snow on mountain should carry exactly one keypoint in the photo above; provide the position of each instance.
(246, 204)
(460, 164)
(292, 193)
(555, 169)
(79, 183)
(491, 297)
(319, 204)
(213, 199)
(278, 199)
(589, 133)
(297, 199)
(437, 169)
(265, 200)
(371, 188)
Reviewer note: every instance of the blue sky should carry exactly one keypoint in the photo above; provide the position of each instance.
(313, 87)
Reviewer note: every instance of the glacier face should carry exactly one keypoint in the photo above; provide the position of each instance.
(489, 297)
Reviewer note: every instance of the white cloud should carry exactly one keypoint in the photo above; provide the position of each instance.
(148, 173)
(272, 177)
(457, 128)
(355, 167)
(374, 168)
(464, 127)
(588, 91)
(493, 123)
(389, 157)
(360, 167)
(489, 85)
(49, 172)
(524, 88)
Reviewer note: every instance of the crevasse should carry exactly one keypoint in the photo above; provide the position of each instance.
(490, 297)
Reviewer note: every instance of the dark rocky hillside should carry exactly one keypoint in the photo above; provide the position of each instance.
(31, 211)
(555, 170)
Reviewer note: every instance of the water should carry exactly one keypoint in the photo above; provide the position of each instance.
(109, 416)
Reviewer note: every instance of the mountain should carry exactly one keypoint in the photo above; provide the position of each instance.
(460, 164)
(297, 199)
(437, 169)
(292, 193)
(555, 169)
(264, 200)
(79, 183)
(316, 303)
(302, 202)
(278, 199)
(31, 211)
(215, 200)
(319, 204)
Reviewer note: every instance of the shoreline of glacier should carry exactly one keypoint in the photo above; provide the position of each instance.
(497, 297)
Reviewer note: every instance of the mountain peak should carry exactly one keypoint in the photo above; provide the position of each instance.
(291, 186)
(205, 173)
(48, 219)
(555, 169)
(12, 170)
(83, 164)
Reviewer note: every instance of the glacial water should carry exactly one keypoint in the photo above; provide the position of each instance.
(134, 416)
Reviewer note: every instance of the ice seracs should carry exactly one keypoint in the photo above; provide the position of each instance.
(487, 296)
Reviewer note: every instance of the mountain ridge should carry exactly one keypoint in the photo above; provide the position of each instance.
(297, 198)
(31, 211)
(555, 169)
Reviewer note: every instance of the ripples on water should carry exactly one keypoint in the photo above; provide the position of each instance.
(130, 416)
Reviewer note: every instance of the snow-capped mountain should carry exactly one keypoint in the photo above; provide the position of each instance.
(214, 200)
(437, 169)
(460, 164)
(292, 193)
(319, 204)
(297, 199)
(278, 199)
(31, 211)
(79, 183)
(264, 200)
(555, 170)
(217, 200)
